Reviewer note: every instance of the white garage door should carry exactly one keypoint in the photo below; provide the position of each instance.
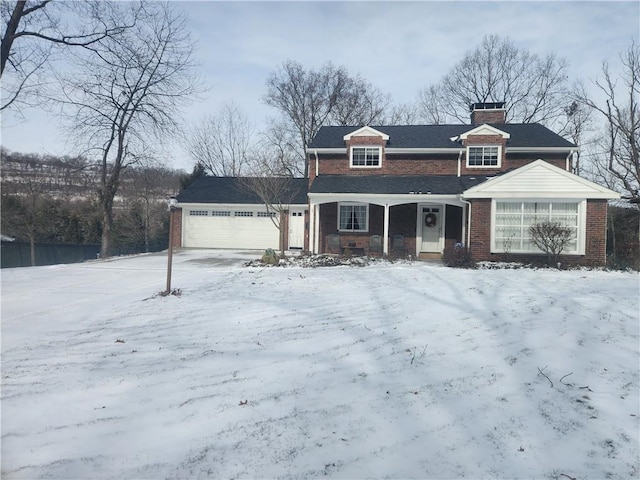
(245, 228)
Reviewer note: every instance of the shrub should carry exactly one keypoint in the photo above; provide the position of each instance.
(551, 238)
(270, 257)
(458, 256)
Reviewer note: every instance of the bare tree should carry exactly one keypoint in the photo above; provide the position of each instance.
(401, 114)
(533, 88)
(150, 185)
(309, 99)
(124, 100)
(33, 28)
(223, 143)
(578, 123)
(277, 192)
(551, 238)
(360, 104)
(618, 160)
(283, 147)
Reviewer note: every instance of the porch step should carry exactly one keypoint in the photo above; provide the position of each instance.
(429, 256)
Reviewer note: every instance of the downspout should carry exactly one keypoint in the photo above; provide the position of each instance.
(316, 154)
(571, 152)
(468, 222)
(460, 162)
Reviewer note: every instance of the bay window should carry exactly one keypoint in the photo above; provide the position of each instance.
(513, 219)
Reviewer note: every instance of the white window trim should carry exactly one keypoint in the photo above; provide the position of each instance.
(366, 205)
(365, 166)
(499, 165)
(581, 229)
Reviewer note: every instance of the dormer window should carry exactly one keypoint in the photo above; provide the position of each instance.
(484, 156)
(366, 157)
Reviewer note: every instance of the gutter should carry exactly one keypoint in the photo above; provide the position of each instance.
(459, 162)
(468, 222)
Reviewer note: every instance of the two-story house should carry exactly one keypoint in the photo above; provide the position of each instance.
(421, 188)
(415, 190)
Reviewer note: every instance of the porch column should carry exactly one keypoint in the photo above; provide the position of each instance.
(385, 231)
(312, 232)
(316, 229)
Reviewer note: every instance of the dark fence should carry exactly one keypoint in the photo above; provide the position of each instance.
(18, 254)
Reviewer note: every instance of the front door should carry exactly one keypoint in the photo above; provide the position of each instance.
(431, 228)
(296, 229)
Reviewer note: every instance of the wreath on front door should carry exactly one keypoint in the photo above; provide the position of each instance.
(430, 220)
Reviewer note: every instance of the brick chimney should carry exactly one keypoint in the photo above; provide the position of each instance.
(488, 113)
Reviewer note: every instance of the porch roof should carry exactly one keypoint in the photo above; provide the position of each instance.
(395, 184)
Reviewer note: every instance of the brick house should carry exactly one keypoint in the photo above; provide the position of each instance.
(418, 189)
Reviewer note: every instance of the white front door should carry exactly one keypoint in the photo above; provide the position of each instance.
(431, 228)
(296, 228)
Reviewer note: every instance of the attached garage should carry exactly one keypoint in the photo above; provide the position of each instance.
(218, 212)
(239, 226)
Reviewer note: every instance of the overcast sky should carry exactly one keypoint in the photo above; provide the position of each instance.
(400, 47)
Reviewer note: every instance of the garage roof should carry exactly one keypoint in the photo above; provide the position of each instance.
(232, 190)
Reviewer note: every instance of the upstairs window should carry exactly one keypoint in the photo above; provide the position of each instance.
(366, 156)
(485, 156)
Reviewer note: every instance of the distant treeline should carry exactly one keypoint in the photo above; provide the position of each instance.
(48, 199)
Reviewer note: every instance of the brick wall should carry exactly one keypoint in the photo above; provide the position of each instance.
(423, 164)
(596, 242)
(595, 245)
(480, 232)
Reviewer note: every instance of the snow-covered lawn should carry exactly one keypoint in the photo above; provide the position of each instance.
(386, 371)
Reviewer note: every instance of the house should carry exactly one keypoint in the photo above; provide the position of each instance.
(422, 188)
(222, 212)
(416, 190)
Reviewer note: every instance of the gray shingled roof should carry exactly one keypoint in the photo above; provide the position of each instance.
(395, 184)
(230, 190)
(439, 136)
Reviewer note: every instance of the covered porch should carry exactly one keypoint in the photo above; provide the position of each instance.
(414, 224)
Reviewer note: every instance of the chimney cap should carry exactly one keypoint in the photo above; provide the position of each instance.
(487, 106)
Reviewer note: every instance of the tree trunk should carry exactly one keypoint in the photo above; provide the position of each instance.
(7, 39)
(107, 227)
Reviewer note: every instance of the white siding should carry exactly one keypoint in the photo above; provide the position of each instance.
(539, 180)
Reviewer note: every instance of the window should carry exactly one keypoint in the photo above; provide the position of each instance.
(365, 156)
(513, 220)
(266, 214)
(353, 217)
(487, 156)
(243, 214)
(198, 213)
(220, 213)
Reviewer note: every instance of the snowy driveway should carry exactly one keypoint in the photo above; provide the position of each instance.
(387, 371)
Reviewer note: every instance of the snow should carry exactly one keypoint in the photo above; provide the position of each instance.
(391, 370)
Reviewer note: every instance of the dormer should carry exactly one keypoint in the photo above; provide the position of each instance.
(365, 147)
(485, 147)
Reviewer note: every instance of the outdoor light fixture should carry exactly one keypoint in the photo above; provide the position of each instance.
(172, 204)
